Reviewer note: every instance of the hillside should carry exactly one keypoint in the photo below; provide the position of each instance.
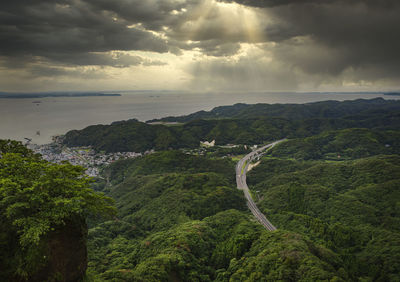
(324, 109)
(182, 219)
(349, 206)
(331, 189)
(341, 144)
(193, 225)
(240, 124)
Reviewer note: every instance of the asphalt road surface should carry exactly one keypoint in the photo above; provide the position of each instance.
(241, 169)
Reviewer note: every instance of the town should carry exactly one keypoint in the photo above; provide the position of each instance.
(84, 156)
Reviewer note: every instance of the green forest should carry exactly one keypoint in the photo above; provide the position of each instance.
(240, 124)
(43, 208)
(181, 225)
(331, 189)
(337, 219)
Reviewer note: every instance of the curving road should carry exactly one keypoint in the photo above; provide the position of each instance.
(241, 169)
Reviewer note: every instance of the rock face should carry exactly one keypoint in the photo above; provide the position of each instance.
(66, 254)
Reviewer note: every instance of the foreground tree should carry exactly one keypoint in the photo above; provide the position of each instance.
(43, 209)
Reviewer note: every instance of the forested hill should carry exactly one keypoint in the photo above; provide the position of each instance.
(331, 189)
(324, 109)
(181, 218)
(240, 124)
(350, 206)
(185, 220)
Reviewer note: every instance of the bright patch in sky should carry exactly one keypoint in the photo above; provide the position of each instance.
(200, 45)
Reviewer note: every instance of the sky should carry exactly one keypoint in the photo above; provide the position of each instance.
(202, 46)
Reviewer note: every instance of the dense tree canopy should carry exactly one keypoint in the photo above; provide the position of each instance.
(332, 190)
(180, 217)
(349, 205)
(36, 198)
(240, 124)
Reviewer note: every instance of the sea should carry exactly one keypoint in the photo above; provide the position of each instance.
(39, 119)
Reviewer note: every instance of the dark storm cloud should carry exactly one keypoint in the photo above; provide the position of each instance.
(317, 41)
(275, 3)
(218, 48)
(246, 74)
(51, 72)
(116, 59)
(269, 3)
(69, 29)
(331, 36)
(314, 37)
(63, 29)
(153, 14)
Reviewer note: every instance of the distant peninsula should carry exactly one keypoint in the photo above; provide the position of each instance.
(52, 94)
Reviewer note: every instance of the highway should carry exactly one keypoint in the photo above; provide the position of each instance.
(241, 169)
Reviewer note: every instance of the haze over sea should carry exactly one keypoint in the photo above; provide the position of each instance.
(23, 118)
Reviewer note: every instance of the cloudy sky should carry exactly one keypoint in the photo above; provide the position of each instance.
(210, 45)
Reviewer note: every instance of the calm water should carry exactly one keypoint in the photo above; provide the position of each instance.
(20, 118)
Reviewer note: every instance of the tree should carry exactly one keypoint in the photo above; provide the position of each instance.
(37, 199)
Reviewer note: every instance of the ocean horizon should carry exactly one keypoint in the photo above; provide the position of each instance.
(41, 118)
